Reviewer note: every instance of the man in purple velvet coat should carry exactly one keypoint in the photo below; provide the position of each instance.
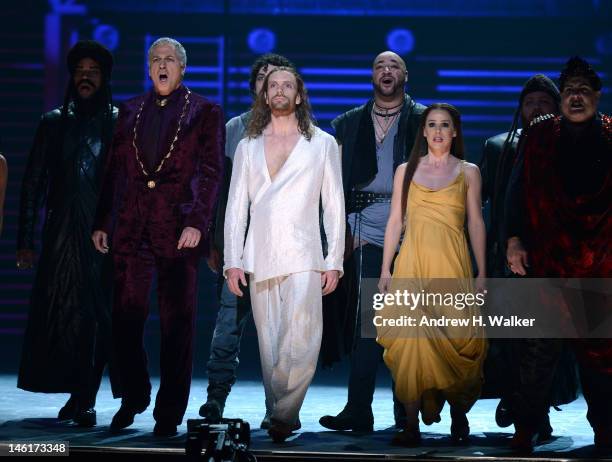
(157, 200)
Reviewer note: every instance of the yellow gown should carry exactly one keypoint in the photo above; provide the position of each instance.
(436, 363)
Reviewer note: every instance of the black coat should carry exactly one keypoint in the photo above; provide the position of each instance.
(70, 307)
(495, 169)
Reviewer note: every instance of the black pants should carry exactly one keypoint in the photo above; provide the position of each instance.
(177, 288)
(367, 354)
(538, 363)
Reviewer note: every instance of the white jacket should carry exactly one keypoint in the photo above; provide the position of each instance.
(284, 235)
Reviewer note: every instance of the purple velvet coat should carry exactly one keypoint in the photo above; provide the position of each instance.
(185, 188)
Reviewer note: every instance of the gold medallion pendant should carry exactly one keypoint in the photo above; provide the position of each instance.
(151, 184)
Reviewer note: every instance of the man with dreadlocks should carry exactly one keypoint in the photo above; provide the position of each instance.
(282, 171)
(559, 225)
(67, 340)
(539, 96)
(506, 358)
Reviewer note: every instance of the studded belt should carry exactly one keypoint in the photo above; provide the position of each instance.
(359, 200)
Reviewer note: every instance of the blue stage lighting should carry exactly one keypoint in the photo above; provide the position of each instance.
(107, 36)
(401, 41)
(604, 44)
(261, 40)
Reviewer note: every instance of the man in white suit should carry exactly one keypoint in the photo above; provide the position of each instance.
(283, 171)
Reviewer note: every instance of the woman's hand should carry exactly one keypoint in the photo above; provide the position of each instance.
(384, 282)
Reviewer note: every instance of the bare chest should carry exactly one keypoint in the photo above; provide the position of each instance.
(277, 150)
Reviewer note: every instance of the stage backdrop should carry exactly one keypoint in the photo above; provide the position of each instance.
(473, 54)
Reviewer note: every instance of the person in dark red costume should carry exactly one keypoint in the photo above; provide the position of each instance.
(560, 224)
(160, 187)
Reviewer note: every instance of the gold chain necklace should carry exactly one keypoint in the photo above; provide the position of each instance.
(151, 183)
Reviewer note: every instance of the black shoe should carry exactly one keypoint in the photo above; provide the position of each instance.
(280, 431)
(164, 429)
(503, 414)
(407, 438)
(86, 418)
(460, 427)
(125, 417)
(212, 410)
(69, 410)
(349, 420)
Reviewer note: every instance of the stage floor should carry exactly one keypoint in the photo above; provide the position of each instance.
(31, 417)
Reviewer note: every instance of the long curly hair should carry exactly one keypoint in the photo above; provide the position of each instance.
(419, 149)
(261, 114)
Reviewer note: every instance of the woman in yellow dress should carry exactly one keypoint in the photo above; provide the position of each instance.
(432, 195)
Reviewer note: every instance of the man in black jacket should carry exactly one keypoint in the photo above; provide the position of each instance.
(67, 339)
(507, 359)
(374, 139)
(539, 96)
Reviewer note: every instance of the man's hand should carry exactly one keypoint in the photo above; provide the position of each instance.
(190, 238)
(384, 282)
(25, 259)
(234, 277)
(214, 260)
(329, 281)
(516, 256)
(100, 241)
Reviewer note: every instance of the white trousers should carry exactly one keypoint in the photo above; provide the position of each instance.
(288, 316)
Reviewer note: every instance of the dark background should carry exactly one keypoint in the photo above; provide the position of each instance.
(472, 53)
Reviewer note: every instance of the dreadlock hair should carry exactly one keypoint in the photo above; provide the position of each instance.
(262, 114)
(578, 67)
(420, 148)
(535, 83)
(265, 61)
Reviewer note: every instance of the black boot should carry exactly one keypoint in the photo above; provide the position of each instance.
(86, 418)
(217, 393)
(125, 416)
(349, 419)
(212, 410)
